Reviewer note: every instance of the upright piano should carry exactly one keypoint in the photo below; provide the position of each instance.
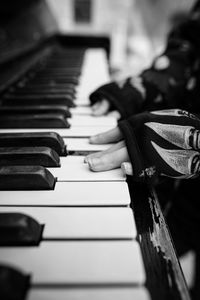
(67, 232)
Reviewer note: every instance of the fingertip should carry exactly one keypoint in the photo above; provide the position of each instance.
(93, 139)
(93, 163)
(115, 114)
(96, 109)
(127, 168)
(96, 113)
(95, 106)
(85, 160)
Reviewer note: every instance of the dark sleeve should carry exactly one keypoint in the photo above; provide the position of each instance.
(183, 216)
(165, 142)
(172, 80)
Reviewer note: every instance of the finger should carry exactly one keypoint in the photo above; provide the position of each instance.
(95, 106)
(109, 161)
(127, 168)
(101, 108)
(111, 136)
(117, 146)
(114, 114)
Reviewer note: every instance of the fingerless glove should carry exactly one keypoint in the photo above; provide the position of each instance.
(165, 142)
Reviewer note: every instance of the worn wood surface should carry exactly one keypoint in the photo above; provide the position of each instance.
(165, 279)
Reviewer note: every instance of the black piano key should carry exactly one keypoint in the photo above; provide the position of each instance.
(14, 285)
(26, 178)
(40, 85)
(34, 121)
(40, 94)
(42, 156)
(34, 139)
(35, 109)
(58, 68)
(67, 70)
(41, 91)
(38, 100)
(56, 77)
(18, 229)
(54, 66)
(65, 62)
(55, 81)
(52, 69)
(48, 72)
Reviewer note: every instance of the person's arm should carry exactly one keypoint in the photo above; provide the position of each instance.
(165, 142)
(170, 82)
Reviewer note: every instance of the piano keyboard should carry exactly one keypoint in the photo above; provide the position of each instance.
(77, 240)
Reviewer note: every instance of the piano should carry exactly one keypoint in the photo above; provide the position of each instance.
(67, 232)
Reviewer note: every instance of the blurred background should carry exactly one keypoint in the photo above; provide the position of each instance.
(137, 28)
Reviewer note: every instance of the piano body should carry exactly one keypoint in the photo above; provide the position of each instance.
(67, 232)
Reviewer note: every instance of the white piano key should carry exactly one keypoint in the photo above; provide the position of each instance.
(117, 293)
(82, 144)
(91, 78)
(82, 223)
(71, 194)
(73, 168)
(68, 132)
(103, 121)
(79, 262)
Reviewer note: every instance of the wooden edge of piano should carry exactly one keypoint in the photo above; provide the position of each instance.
(156, 244)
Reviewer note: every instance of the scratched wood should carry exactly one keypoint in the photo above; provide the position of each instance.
(165, 279)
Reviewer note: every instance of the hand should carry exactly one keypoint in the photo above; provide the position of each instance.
(111, 158)
(100, 108)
